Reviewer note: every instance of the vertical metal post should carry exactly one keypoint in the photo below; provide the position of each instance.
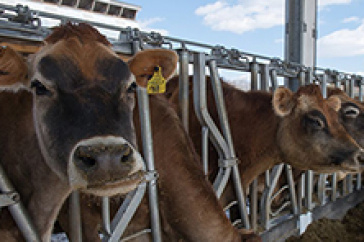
(309, 76)
(273, 78)
(254, 204)
(75, 217)
(205, 150)
(308, 190)
(106, 215)
(146, 131)
(183, 87)
(292, 190)
(349, 177)
(264, 79)
(301, 189)
(334, 187)
(18, 211)
(300, 40)
(254, 69)
(302, 78)
(358, 182)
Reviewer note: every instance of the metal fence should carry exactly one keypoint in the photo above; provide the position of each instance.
(21, 24)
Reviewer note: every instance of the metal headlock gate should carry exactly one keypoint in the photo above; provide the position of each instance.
(21, 25)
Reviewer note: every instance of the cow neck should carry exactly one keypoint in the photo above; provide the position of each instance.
(254, 126)
(41, 191)
(187, 201)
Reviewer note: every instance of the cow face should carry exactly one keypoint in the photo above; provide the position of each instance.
(83, 105)
(310, 134)
(351, 115)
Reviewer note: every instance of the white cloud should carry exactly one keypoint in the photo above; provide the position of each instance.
(145, 25)
(244, 16)
(351, 19)
(323, 3)
(248, 15)
(342, 43)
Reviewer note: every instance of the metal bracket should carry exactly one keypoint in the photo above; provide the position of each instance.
(226, 163)
(151, 176)
(9, 198)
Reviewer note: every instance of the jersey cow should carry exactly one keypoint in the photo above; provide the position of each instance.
(188, 206)
(301, 129)
(73, 129)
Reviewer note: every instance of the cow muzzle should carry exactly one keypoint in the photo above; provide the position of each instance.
(357, 162)
(105, 166)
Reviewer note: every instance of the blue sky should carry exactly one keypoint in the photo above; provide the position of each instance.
(256, 26)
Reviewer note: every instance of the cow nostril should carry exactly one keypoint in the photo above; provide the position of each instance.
(128, 153)
(88, 162)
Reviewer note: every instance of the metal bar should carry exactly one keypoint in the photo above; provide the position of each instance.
(292, 189)
(264, 79)
(308, 190)
(321, 191)
(18, 211)
(183, 87)
(273, 78)
(200, 107)
(334, 187)
(205, 150)
(224, 123)
(308, 76)
(106, 215)
(267, 194)
(125, 213)
(301, 190)
(324, 85)
(75, 217)
(254, 69)
(254, 204)
(146, 131)
(302, 78)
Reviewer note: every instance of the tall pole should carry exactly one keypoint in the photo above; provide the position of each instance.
(300, 35)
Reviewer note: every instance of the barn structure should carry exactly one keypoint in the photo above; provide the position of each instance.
(316, 195)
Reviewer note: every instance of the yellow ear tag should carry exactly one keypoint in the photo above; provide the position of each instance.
(156, 84)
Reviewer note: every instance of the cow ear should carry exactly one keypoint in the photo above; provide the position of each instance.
(283, 101)
(334, 102)
(143, 64)
(13, 67)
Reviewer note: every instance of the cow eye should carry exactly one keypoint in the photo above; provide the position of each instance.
(315, 123)
(132, 87)
(40, 89)
(351, 111)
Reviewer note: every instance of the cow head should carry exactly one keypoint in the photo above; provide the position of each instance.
(310, 134)
(13, 69)
(83, 105)
(351, 114)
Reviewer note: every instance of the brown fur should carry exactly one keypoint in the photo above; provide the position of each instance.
(82, 31)
(13, 69)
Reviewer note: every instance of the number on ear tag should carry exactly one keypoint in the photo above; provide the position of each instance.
(156, 84)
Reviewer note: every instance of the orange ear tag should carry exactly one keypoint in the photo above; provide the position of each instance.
(156, 84)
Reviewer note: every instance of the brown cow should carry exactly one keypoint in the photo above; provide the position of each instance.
(188, 206)
(300, 128)
(74, 130)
